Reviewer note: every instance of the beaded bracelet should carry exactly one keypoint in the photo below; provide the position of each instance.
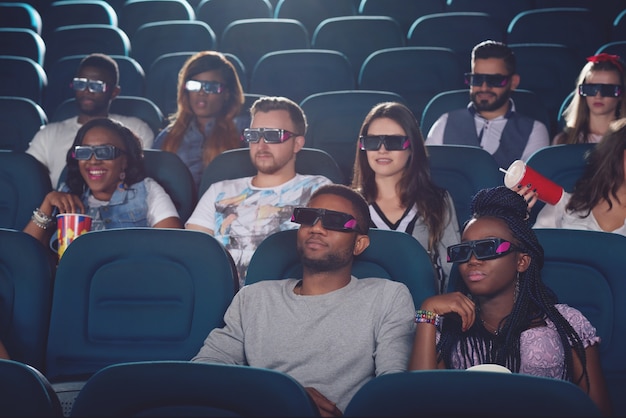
(429, 317)
(41, 219)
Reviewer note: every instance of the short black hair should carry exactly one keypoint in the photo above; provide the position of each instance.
(104, 62)
(355, 198)
(494, 49)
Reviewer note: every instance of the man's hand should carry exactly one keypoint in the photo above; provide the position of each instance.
(326, 407)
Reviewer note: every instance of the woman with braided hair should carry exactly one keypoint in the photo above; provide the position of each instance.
(502, 312)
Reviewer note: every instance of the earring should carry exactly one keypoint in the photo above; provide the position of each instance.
(516, 290)
(122, 177)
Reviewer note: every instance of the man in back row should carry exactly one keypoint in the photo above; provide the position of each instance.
(242, 212)
(96, 86)
(491, 121)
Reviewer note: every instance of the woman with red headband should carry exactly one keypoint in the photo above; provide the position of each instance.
(597, 101)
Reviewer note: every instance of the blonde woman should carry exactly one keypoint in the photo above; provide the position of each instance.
(598, 100)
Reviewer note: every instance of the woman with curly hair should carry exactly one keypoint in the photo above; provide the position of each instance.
(597, 101)
(391, 170)
(106, 180)
(502, 312)
(206, 122)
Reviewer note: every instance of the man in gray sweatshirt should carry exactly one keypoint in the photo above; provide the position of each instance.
(330, 331)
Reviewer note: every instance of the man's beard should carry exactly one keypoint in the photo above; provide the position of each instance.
(268, 167)
(331, 262)
(484, 106)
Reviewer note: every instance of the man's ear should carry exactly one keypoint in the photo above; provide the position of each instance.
(298, 143)
(116, 92)
(361, 243)
(515, 79)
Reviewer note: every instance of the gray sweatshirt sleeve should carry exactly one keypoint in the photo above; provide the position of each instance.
(225, 345)
(394, 336)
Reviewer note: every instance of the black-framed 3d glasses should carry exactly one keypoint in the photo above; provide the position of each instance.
(492, 80)
(391, 142)
(332, 220)
(209, 87)
(101, 152)
(483, 249)
(94, 86)
(269, 135)
(605, 90)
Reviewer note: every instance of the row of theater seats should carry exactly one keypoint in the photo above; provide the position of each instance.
(218, 14)
(545, 69)
(146, 295)
(129, 15)
(177, 388)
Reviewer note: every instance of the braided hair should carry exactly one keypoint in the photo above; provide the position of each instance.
(534, 304)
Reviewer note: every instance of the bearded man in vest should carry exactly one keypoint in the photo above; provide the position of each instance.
(490, 120)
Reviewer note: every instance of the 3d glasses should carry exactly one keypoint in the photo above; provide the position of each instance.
(605, 90)
(483, 249)
(492, 80)
(94, 86)
(391, 142)
(332, 220)
(209, 87)
(269, 135)
(101, 152)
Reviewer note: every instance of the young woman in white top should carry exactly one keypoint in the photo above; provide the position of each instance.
(391, 170)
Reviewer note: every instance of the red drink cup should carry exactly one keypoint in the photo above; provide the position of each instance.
(520, 173)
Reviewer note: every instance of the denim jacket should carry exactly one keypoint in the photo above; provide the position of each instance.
(127, 208)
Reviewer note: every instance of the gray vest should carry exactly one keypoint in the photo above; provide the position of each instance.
(461, 130)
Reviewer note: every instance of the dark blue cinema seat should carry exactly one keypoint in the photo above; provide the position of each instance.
(450, 393)
(25, 392)
(175, 388)
(134, 294)
(26, 294)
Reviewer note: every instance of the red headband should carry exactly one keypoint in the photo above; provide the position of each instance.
(603, 57)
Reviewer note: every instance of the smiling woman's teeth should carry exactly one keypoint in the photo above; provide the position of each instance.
(96, 173)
